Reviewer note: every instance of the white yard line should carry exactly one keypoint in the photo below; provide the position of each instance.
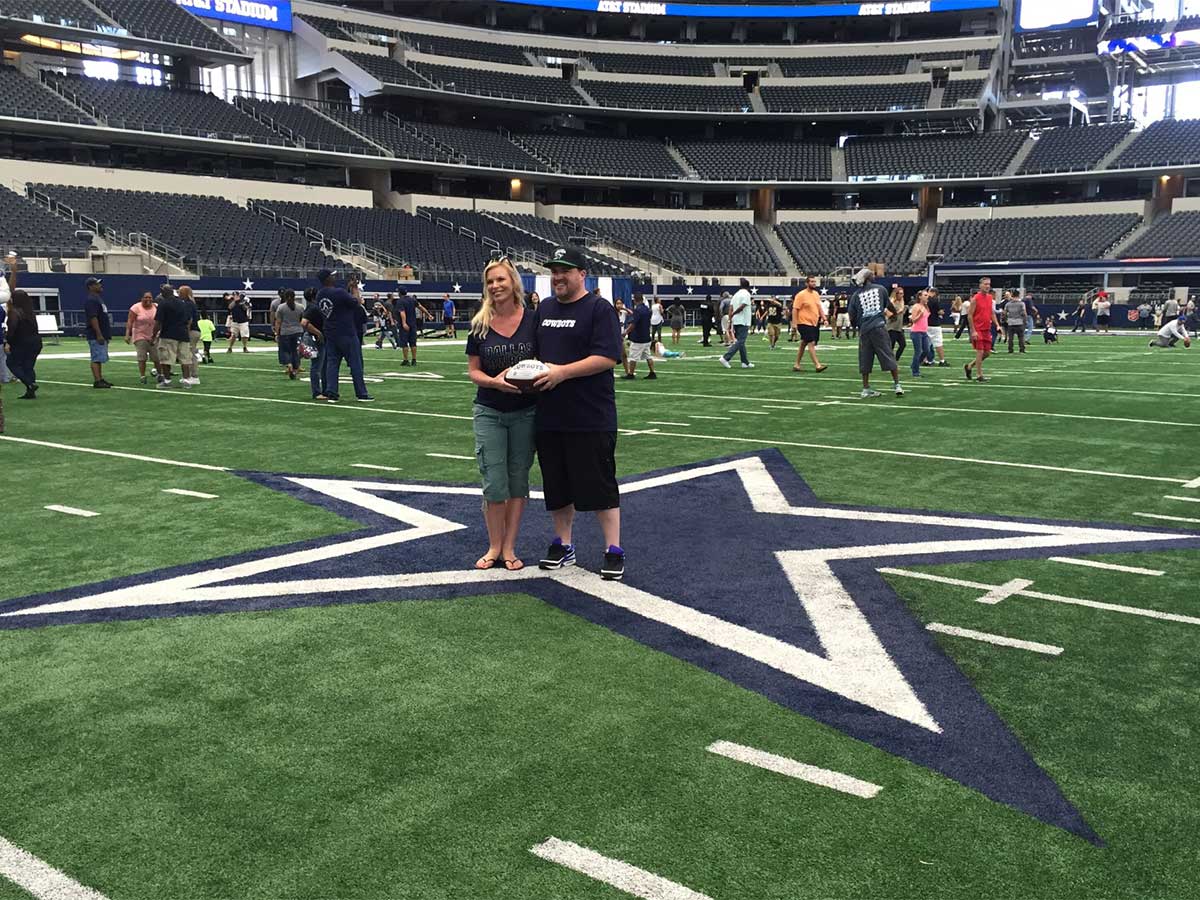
(1167, 518)
(747, 412)
(377, 468)
(837, 781)
(908, 407)
(186, 493)
(1004, 591)
(449, 456)
(714, 418)
(620, 875)
(39, 878)
(1184, 499)
(1193, 484)
(71, 511)
(1053, 598)
(998, 639)
(1111, 567)
(133, 456)
(675, 424)
(768, 442)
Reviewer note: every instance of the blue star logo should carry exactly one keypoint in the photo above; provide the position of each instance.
(751, 577)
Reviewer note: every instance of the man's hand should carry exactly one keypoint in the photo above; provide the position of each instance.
(552, 378)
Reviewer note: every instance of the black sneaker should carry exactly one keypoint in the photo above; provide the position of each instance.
(558, 556)
(101, 384)
(332, 399)
(651, 377)
(366, 399)
(627, 376)
(613, 568)
(967, 371)
(981, 378)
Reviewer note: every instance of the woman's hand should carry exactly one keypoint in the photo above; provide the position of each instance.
(500, 383)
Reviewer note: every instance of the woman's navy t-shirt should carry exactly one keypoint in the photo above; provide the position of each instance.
(497, 353)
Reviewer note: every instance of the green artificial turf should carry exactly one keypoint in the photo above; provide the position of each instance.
(419, 749)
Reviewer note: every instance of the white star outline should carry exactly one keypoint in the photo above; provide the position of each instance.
(855, 666)
(247, 285)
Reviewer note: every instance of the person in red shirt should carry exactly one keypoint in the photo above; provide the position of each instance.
(983, 317)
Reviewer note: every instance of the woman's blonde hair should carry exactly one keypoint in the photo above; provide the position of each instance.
(482, 320)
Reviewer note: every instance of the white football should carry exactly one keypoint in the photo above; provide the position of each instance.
(524, 373)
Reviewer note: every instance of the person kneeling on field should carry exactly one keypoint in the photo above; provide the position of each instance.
(502, 334)
(870, 310)
(1171, 334)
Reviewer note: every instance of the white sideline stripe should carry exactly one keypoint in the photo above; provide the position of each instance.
(908, 407)
(1054, 598)
(1194, 483)
(768, 442)
(838, 781)
(40, 879)
(714, 418)
(998, 639)
(135, 456)
(71, 510)
(1112, 567)
(185, 493)
(1184, 499)
(309, 403)
(676, 424)
(370, 466)
(747, 412)
(1167, 518)
(621, 875)
(448, 456)
(1004, 591)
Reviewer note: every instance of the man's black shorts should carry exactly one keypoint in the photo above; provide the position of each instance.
(810, 333)
(580, 468)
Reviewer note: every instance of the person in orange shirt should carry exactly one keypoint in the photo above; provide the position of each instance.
(807, 317)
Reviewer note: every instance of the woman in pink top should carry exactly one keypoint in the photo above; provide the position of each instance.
(139, 331)
(918, 314)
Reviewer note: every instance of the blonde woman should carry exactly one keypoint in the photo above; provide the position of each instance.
(895, 325)
(503, 333)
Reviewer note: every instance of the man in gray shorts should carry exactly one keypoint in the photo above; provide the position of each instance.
(870, 308)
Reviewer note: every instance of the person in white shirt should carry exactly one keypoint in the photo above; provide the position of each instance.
(656, 321)
(741, 313)
(1171, 334)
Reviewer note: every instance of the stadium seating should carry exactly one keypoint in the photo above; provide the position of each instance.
(1073, 149)
(214, 235)
(71, 13)
(434, 251)
(647, 95)
(586, 155)
(845, 97)
(694, 248)
(962, 89)
(843, 66)
(954, 234)
(26, 98)
(328, 27)
(1175, 235)
(942, 155)
(386, 69)
(1040, 237)
(1169, 142)
(460, 48)
(820, 248)
(32, 231)
(512, 234)
(163, 20)
(1135, 28)
(488, 83)
(399, 139)
(303, 123)
(169, 110)
(480, 147)
(758, 160)
(650, 64)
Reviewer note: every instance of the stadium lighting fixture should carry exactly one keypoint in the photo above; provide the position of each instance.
(82, 49)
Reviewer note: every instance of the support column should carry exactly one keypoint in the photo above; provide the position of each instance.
(764, 206)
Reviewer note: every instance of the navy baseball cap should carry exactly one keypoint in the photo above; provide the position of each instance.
(92, 281)
(566, 258)
(324, 274)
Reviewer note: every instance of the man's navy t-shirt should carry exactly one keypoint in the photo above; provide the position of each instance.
(338, 306)
(641, 325)
(497, 353)
(94, 308)
(314, 316)
(567, 333)
(174, 316)
(408, 306)
(239, 313)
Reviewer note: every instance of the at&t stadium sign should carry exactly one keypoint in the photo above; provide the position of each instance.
(763, 11)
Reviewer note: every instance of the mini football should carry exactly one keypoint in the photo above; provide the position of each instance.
(524, 373)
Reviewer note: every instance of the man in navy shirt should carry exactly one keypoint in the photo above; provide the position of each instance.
(343, 339)
(99, 329)
(406, 315)
(638, 332)
(579, 338)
